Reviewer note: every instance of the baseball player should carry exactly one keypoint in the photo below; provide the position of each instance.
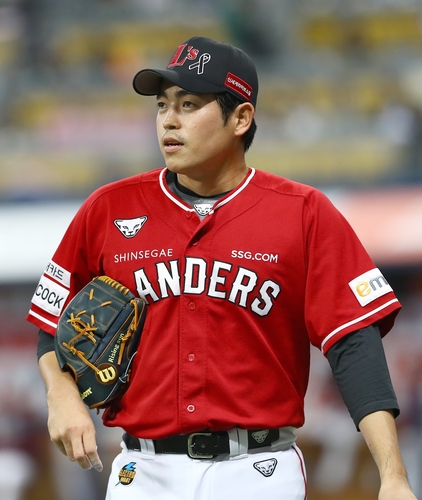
(242, 271)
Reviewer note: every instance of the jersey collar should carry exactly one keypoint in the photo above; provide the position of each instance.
(184, 206)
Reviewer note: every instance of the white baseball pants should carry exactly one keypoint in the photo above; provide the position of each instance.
(259, 474)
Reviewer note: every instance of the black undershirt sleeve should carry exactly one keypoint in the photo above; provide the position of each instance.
(45, 343)
(360, 369)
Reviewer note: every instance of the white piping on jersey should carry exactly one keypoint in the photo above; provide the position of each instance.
(191, 209)
(238, 191)
(54, 325)
(353, 322)
(170, 195)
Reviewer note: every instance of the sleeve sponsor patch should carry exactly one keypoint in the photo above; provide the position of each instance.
(369, 286)
(58, 273)
(50, 296)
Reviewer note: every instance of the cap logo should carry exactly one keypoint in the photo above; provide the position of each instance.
(238, 85)
(203, 60)
(176, 60)
(192, 54)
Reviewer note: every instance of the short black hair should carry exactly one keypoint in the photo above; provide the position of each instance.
(228, 103)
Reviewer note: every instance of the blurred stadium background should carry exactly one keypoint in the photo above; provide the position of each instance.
(340, 107)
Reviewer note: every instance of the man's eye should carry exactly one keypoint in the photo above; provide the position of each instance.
(160, 105)
(188, 104)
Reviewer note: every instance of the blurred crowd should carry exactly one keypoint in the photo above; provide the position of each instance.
(340, 94)
(340, 107)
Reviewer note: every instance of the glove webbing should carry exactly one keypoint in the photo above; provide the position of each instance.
(85, 329)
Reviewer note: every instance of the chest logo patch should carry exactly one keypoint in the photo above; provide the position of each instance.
(266, 467)
(130, 227)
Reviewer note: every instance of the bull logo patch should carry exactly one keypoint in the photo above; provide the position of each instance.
(203, 209)
(260, 436)
(130, 227)
(127, 474)
(266, 467)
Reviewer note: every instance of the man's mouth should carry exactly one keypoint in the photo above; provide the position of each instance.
(171, 144)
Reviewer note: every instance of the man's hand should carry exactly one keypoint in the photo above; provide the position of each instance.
(70, 426)
(394, 490)
(379, 432)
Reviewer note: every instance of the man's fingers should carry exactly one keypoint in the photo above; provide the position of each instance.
(81, 449)
(91, 453)
(86, 460)
(75, 452)
(60, 446)
(95, 462)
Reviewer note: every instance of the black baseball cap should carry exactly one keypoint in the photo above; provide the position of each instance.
(204, 66)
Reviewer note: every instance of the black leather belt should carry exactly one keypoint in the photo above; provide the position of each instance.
(205, 445)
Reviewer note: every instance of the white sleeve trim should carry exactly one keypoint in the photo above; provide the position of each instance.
(38, 316)
(354, 321)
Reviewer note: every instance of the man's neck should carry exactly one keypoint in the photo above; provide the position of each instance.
(215, 185)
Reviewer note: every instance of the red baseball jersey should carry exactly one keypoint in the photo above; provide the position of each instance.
(234, 300)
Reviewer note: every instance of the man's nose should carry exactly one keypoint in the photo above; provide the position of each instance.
(171, 119)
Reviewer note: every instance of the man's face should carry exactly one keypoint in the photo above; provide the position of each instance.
(191, 132)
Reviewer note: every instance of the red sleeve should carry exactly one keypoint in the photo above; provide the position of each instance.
(68, 271)
(345, 291)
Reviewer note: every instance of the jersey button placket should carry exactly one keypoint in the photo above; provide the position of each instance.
(192, 363)
(192, 320)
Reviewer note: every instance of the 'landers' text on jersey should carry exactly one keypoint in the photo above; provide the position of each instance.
(199, 279)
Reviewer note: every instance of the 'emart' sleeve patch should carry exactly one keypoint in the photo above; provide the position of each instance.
(369, 286)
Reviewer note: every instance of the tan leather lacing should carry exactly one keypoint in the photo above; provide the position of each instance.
(87, 330)
(114, 284)
(84, 330)
(130, 330)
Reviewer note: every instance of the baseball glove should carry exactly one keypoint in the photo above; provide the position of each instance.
(97, 338)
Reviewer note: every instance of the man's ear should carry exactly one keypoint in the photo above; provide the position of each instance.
(243, 114)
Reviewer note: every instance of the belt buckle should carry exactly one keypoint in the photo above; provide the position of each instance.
(191, 446)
